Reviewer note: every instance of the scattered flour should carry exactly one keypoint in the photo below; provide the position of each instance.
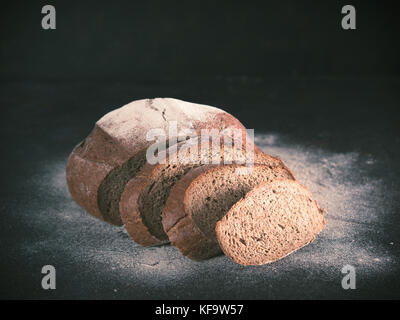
(338, 182)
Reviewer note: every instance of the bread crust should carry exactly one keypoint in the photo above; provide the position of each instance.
(178, 224)
(129, 208)
(88, 165)
(108, 146)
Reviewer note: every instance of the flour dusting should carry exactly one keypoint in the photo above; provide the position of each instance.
(338, 181)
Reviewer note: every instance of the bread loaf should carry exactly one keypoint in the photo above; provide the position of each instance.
(198, 206)
(273, 220)
(100, 166)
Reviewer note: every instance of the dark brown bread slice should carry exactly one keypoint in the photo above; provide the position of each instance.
(273, 220)
(144, 196)
(99, 166)
(110, 189)
(203, 196)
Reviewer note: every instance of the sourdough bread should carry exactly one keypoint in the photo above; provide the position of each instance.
(203, 196)
(273, 220)
(99, 167)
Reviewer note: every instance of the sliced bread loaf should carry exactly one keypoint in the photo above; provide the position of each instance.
(203, 196)
(99, 167)
(273, 220)
(144, 197)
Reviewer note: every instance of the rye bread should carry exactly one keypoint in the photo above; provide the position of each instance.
(144, 196)
(99, 167)
(203, 196)
(273, 220)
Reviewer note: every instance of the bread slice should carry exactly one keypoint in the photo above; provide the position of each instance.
(144, 197)
(112, 154)
(273, 220)
(203, 196)
(110, 189)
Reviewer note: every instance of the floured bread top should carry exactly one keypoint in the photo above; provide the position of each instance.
(131, 122)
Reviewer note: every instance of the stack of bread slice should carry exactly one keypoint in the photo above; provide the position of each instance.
(203, 200)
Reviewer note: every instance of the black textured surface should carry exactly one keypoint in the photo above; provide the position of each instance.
(324, 99)
(340, 136)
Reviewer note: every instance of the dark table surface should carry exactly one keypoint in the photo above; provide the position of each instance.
(339, 135)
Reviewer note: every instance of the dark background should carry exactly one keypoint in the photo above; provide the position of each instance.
(283, 67)
(147, 40)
